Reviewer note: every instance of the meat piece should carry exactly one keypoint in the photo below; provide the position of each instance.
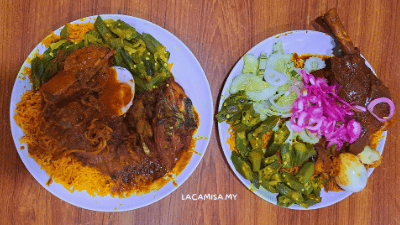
(79, 70)
(174, 125)
(331, 21)
(165, 120)
(359, 85)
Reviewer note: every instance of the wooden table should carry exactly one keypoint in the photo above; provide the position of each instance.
(218, 33)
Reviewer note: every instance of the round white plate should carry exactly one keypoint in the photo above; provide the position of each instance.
(187, 72)
(302, 42)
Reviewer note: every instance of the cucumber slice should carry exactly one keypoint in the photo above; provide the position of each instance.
(249, 83)
(250, 64)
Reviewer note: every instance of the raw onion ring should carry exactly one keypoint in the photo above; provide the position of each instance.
(375, 102)
(277, 80)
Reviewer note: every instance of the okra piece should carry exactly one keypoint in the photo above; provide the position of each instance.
(292, 182)
(151, 43)
(255, 141)
(241, 143)
(242, 166)
(269, 170)
(271, 159)
(287, 155)
(308, 189)
(148, 62)
(249, 117)
(267, 185)
(37, 72)
(124, 30)
(302, 152)
(281, 135)
(231, 108)
(275, 179)
(284, 201)
(64, 32)
(255, 159)
(310, 200)
(305, 172)
(297, 197)
(101, 27)
(267, 125)
(159, 78)
(93, 38)
(316, 184)
(272, 149)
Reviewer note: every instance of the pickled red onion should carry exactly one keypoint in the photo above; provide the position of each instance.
(320, 110)
(376, 101)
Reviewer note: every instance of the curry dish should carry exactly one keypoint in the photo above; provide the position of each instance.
(75, 129)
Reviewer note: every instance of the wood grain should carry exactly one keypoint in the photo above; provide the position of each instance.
(218, 32)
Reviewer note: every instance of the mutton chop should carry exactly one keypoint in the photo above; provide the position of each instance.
(359, 85)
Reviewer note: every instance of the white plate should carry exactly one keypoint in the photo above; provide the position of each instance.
(188, 73)
(302, 42)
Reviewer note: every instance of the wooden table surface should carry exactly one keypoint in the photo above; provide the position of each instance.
(218, 32)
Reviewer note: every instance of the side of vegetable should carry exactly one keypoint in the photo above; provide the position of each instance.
(268, 152)
(141, 54)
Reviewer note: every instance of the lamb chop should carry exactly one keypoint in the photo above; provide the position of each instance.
(359, 85)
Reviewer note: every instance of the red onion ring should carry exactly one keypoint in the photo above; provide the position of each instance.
(375, 102)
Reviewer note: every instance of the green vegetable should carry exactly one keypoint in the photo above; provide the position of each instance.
(250, 64)
(292, 182)
(255, 159)
(314, 63)
(124, 30)
(254, 84)
(267, 172)
(101, 27)
(263, 64)
(142, 55)
(302, 152)
(287, 155)
(284, 201)
(268, 186)
(271, 159)
(249, 117)
(242, 143)
(242, 166)
(231, 110)
(305, 172)
(295, 196)
(253, 109)
(64, 32)
(280, 62)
